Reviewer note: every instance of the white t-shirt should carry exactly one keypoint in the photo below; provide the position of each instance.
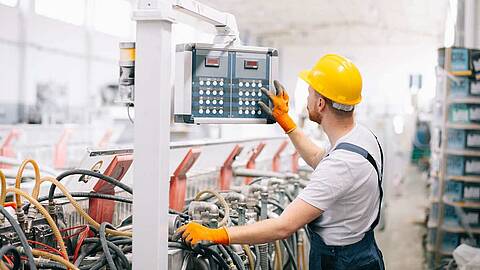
(345, 186)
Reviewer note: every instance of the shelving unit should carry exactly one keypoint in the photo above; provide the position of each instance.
(455, 173)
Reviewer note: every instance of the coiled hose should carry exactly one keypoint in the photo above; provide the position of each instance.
(222, 201)
(108, 179)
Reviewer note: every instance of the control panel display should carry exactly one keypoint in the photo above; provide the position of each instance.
(223, 85)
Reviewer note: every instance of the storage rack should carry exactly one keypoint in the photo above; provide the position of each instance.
(455, 155)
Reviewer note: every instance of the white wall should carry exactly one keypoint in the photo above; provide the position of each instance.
(36, 49)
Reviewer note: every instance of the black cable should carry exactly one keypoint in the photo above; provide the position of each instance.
(236, 259)
(17, 261)
(129, 116)
(50, 265)
(101, 261)
(293, 260)
(106, 178)
(103, 241)
(21, 236)
(202, 250)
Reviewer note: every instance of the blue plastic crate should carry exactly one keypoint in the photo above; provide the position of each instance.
(460, 165)
(471, 192)
(464, 113)
(454, 190)
(463, 139)
(460, 87)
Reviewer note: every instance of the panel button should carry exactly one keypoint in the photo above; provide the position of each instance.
(201, 82)
(221, 83)
(260, 84)
(220, 111)
(240, 84)
(207, 111)
(207, 101)
(208, 83)
(221, 93)
(247, 84)
(220, 102)
(240, 93)
(253, 102)
(200, 111)
(214, 111)
(252, 112)
(247, 102)
(200, 92)
(240, 112)
(259, 112)
(200, 101)
(207, 92)
(214, 101)
(259, 93)
(247, 94)
(253, 94)
(214, 83)
(253, 84)
(247, 111)
(240, 102)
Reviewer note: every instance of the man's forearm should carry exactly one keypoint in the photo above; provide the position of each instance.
(309, 151)
(261, 232)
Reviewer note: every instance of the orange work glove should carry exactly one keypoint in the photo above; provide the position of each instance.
(280, 107)
(193, 233)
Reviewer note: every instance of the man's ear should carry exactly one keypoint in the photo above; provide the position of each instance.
(321, 103)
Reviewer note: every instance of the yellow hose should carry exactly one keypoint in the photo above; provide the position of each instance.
(77, 206)
(251, 260)
(278, 256)
(222, 201)
(3, 195)
(54, 257)
(18, 180)
(45, 213)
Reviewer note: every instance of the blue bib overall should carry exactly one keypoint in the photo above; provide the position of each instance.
(363, 255)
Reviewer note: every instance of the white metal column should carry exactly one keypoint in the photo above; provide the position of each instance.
(152, 137)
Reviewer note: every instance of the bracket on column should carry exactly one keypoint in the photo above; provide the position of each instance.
(6, 149)
(178, 181)
(251, 161)
(60, 157)
(277, 159)
(295, 158)
(226, 171)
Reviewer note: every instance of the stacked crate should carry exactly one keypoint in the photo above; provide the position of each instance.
(455, 163)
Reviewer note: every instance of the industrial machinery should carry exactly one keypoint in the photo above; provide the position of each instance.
(218, 84)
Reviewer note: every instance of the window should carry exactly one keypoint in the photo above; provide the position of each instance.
(113, 17)
(71, 11)
(10, 3)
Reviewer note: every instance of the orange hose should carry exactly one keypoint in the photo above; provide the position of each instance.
(3, 195)
(18, 180)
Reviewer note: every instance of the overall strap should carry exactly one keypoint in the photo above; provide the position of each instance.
(364, 153)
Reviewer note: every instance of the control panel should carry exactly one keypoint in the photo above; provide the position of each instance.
(222, 85)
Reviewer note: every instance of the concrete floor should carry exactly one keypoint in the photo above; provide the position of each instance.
(401, 241)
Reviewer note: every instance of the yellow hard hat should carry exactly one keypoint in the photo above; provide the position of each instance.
(337, 78)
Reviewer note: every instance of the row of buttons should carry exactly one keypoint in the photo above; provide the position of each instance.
(240, 111)
(208, 83)
(214, 102)
(247, 84)
(241, 84)
(241, 93)
(208, 111)
(208, 92)
(246, 102)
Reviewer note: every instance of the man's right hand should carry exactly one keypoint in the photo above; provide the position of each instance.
(280, 107)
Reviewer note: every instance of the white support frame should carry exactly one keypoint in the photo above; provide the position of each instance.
(153, 83)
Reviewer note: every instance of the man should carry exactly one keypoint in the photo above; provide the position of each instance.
(341, 202)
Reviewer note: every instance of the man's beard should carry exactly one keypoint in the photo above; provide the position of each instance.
(315, 117)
